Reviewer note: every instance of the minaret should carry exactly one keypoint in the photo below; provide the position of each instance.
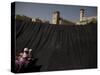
(56, 17)
(82, 14)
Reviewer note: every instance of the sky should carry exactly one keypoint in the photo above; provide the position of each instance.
(45, 11)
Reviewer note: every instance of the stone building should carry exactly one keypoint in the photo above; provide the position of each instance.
(56, 19)
(85, 20)
(39, 20)
(82, 16)
(36, 20)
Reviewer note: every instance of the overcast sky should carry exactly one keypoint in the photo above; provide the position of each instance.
(44, 11)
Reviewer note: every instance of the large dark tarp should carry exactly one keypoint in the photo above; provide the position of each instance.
(59, 47)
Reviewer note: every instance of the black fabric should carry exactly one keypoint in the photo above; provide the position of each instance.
(59, 47)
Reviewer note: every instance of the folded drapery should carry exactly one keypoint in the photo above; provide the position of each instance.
(59, 47)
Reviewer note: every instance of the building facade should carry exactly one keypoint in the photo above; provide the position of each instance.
(56, 19)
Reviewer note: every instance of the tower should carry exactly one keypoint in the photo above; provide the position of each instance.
(82, 14)
(56, 17)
